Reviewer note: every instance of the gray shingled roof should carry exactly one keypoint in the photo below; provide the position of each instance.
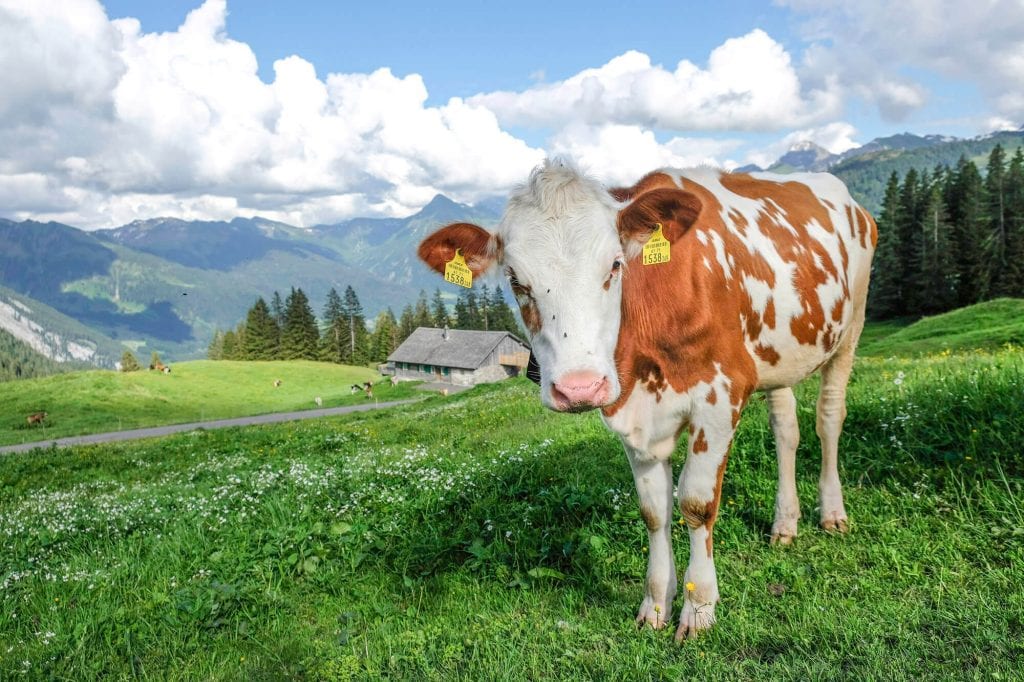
(463, 349)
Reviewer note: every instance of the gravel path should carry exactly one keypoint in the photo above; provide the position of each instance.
(178, 428)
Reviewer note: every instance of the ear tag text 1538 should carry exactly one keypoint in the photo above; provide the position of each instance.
(457, 272)
(657, 249)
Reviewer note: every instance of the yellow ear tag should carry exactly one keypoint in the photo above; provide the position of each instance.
(657, 249)
(457, 272)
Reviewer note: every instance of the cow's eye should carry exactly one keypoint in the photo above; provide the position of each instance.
(616, 265)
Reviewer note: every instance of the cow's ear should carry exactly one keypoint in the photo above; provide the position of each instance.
(675, 209)
(480, 248)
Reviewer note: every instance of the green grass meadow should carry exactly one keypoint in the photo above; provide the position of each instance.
(480, 537)
(98, 401)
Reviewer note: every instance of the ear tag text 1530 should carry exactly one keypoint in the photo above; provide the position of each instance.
(657, 249)
(457, 272)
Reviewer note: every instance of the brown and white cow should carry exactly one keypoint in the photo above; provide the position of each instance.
(766, 284)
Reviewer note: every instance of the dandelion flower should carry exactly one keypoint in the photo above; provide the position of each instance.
(690, 587)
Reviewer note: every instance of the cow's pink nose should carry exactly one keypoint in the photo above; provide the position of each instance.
(580, 390)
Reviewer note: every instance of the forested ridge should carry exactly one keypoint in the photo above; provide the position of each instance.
(950, 237)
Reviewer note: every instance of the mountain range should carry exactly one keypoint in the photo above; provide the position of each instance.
(166, 284)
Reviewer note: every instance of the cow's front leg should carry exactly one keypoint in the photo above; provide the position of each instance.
(652, 472)
(700, 491)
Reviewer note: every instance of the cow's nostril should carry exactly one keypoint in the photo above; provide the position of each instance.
(581, 390)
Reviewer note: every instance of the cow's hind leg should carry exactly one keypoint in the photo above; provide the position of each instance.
(831, 413)
(652, 472)
(782, 405)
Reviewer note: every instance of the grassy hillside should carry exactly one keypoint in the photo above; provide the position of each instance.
(983, 326)
(480, 537)
(93, 402)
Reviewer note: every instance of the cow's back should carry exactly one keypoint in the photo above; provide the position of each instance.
(795, 252)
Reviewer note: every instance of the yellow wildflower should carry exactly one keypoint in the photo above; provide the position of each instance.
(690, 587)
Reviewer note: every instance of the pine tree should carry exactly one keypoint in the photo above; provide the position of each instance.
(406, 323)
(215, 351)
(935, 284)
(357, 351)
(439, 311)
(885, 295)
(995, 208)
(261, 333)
(334, 341)
(129, 363)
(965, 202)
(300, 336)
(502, 317)
(385, 336)
(228, 345)
(421, 312)
(277, 310)
(1012, 282)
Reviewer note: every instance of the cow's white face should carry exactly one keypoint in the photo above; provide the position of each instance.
(558, 244)
(564, 263)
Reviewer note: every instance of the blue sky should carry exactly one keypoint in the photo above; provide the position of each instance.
(315, 111)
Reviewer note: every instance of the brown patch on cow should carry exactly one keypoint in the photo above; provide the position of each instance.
(767, 353)
(700, 443)
(607, 283)
(531, 316)
(650, 518)
(647, 370)
(712, 396)
(870, 227)
(694, 512)
(828, 339)
(828, 203)
(711, 510)
(837, 310)
(645, 184)
(736, 416)
(769, 314)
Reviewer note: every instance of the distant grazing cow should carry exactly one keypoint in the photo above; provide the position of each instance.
(36, 418)
(161, 367)
(368, 389)
(394, 381)
(356, 388)
(762, 283)
(318, 400)
(277, 383)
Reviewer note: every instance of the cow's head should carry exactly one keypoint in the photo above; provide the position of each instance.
(563, 243)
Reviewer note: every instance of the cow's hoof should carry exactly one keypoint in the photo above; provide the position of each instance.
(653, 613)
(694, 619)
(835, 523)
(784, 532)
(783, 539)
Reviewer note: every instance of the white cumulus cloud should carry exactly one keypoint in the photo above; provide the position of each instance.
(111, 123)
(750, 83)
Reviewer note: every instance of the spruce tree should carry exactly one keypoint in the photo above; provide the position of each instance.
(277, 309)
(965, 202)
(300, 336)
(335, 337)
(357, 351)
(1012, 282)
(935, 283)
(421, 312)
(406, 323)
(439, 311)
(129, 363)
(261, 333)
(885, 295)
(228, 345)
(385, 336)
(995, 209)
(502, 316)
(215, 351)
